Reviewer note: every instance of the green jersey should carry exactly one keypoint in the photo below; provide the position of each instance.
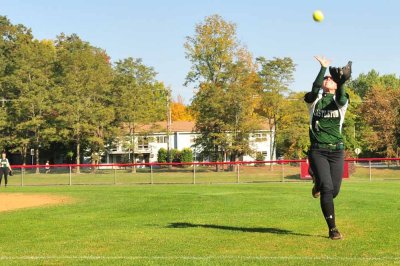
(327, 112)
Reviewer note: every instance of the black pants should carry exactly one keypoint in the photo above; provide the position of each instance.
(327, 166)
(5, 173)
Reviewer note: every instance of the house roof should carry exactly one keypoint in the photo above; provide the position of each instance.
(178, 126)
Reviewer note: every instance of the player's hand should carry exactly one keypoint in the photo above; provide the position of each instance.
(325, 62)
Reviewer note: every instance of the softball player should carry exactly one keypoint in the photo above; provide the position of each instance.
(5, 168)
(327, 110)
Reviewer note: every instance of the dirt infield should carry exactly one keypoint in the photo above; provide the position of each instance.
(13, 201)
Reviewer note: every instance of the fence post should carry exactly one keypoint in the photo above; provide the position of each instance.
(370, 171)
(238, 173)
(194, 173)
(283, 172)
(70, 175)
(151, 174)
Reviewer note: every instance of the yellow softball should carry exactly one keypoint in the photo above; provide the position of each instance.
(318, 16)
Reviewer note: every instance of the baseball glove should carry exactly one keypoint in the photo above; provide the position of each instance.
(341, 74)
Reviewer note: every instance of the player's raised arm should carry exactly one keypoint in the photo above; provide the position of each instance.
(311, 96)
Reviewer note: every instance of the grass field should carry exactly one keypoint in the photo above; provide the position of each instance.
(253, 224)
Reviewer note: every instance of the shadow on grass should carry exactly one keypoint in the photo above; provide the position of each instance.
(268, 230)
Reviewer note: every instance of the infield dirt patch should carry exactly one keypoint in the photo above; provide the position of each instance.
(13, 201)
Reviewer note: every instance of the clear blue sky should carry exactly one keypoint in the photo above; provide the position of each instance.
(366, 32)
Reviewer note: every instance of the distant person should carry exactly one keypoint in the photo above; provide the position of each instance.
(5, 168)
(47, 167)
(327, 110)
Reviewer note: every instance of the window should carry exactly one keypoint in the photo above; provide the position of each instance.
(162, 139)
(260, 137)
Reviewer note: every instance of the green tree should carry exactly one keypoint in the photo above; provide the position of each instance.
(364, 82)
(14, 40)
(83, 85)
(139, 98)
(226, 81)
(292, 140)
(276, 76)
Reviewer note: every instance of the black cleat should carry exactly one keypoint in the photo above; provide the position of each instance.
(334, 234)
(315, 191)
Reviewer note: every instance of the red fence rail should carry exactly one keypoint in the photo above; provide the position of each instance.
(197, 163)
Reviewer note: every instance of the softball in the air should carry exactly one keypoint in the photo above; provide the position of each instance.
(318, 16)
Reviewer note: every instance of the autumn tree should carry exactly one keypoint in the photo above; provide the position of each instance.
(380, 111)
(179, 111)
(374, 111)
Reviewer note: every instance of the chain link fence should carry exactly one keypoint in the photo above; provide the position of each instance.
(369, 170)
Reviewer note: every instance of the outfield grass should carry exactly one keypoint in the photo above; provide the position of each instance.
(256, 224)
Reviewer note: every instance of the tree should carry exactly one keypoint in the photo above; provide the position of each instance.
(33, 111)
(364, 82)
(83, 78)
(14, 39)
(293, 140)
(276, 75)
(380, 111)
(139, 97)
(179, 111)
(225, 78)
(373, 112)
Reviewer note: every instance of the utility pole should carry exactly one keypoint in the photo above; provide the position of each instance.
(168, 126)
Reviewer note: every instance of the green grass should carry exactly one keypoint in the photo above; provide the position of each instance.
(256, 224)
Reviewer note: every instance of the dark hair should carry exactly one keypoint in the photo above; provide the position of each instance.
(326, 77)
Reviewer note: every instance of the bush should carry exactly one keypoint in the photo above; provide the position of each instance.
(162, 155)
(186, 155)
(175, 156)
(259, 157)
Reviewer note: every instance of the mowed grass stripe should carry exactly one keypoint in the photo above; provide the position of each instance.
(198, 258)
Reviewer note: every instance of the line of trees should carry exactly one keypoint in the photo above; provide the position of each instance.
(67, 96)
(236, 93)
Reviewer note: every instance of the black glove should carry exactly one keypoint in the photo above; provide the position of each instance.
(11, 173)
(341, 74)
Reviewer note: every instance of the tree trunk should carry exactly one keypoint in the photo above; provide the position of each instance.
(37, 161)
(133, 153)
(78, 156)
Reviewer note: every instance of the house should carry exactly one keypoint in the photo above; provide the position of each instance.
(151, 138)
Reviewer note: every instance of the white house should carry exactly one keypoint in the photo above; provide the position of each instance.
(153, 137)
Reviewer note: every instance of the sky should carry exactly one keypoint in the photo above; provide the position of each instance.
(366, 32)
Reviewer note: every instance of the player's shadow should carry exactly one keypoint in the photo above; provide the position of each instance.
(269, 230)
